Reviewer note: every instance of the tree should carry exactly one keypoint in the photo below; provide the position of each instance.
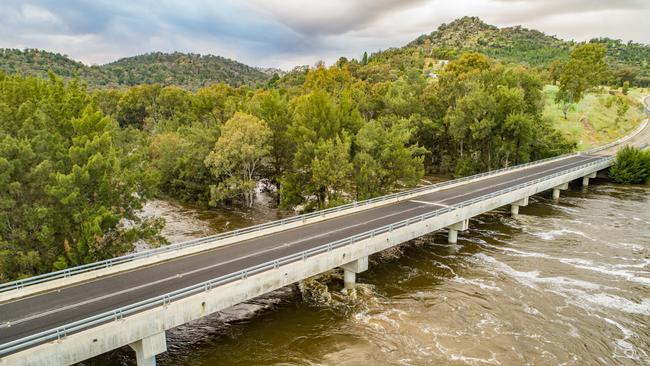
(385, 158)
(271, 107)
(364, 59)
(318, 120)
(625, 88)
(237, 158)
(632, 166)
(555, 70)
(331, 171)
(585, 69)
(73, 182)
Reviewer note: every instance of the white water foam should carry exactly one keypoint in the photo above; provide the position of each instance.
(554, 234)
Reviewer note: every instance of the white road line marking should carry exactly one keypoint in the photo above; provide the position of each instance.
(38, 315)
(201, 269)
(430, 203)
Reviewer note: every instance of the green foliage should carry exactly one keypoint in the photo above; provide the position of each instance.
(74, 180)
(237, 158)
(584, 70)
(385, 158)
(273, 108)
(188, 70)
(79, 166)
(632, 166)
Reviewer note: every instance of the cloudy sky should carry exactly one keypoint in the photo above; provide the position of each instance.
(285, 33)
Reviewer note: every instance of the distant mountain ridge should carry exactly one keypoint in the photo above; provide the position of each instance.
(183, 69)
(630, 61)
(523, 45)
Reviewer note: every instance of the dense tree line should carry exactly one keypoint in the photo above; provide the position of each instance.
(80, 164)
(188, 70)
(72, 182)
(323, 136)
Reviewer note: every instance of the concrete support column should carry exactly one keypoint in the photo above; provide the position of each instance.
(514, 207)
(452, 237)
(146, 349)
(514, 210)
(585, 179)
(556, 190)
(349, 279)
(350, 271)
(454, 229)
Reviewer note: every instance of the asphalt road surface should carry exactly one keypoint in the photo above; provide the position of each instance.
(23, 317)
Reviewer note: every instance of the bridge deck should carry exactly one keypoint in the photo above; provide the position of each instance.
(51, 309)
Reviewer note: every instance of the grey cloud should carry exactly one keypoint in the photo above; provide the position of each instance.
(523, 10)
(283, 32)
(333, 17)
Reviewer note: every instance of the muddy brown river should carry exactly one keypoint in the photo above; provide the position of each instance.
(564, 283)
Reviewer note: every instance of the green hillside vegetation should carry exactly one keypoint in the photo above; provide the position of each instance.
(602, 116)
(628, 61)
(190, 71)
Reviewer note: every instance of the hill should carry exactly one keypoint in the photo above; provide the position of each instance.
(183, 69)
(629, 61)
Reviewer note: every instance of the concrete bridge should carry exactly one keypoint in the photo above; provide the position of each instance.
(68, 316)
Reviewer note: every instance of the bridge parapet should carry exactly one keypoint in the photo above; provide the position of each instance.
(198, 298)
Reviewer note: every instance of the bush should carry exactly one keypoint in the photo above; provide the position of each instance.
(632, 166)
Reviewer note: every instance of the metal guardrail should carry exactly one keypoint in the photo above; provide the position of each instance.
(8, 286)
(641, 127)
(118, 314)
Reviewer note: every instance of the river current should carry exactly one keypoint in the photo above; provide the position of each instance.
(566, 283)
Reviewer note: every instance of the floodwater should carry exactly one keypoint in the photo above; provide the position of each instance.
(564, 283)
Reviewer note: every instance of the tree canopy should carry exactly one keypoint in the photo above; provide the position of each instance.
(74, 180)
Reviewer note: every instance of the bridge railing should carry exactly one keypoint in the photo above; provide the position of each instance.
(8, 286)
(624, 139)
(120, 313)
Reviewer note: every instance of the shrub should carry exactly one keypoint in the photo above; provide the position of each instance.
(632, 166)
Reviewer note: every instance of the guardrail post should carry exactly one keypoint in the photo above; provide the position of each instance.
(147, 348)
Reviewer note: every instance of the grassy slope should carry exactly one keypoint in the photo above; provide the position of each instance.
(590, 122)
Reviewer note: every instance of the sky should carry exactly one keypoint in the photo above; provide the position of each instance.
(287, 33)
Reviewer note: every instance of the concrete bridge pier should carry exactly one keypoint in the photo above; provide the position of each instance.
(585, 179)
(556, 190)
(350, 271)
(146, 349)
(454, 229)
(514, 207)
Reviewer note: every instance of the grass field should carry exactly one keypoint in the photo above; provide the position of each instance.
(595, 120)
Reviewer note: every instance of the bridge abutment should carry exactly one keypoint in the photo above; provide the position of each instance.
(146, 349)
(514, 207)
(452, 237)
(350, 271)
